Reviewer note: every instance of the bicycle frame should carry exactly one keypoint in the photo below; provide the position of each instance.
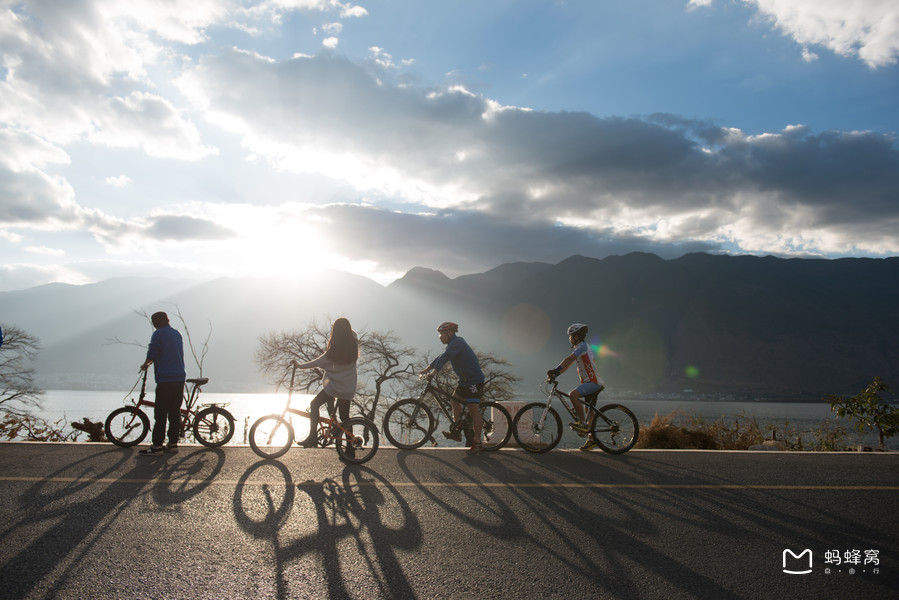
(443, 400)
(190, 399)
(326, 425)
(565, 400)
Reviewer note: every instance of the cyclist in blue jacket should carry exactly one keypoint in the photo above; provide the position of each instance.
(166, 354)
(471, 380)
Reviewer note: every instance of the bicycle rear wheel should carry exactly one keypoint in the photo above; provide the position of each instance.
(271, 436)
(537, 427)
(126, 426)
(408, 424)
(615, 428)
(359, 447)
(497, 425)
(213, 427)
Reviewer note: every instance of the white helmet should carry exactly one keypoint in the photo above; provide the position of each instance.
(577, 329)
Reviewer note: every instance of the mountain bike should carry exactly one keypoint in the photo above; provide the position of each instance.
(356, 440)
(537, 426)
(409, 423)
(212, 425)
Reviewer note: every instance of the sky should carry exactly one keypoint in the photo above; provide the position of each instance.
(197, 139)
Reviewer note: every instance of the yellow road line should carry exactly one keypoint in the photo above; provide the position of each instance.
(451, 484)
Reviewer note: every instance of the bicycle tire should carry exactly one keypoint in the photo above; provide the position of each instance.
(534, 431)
(496, 430)
(621, 435)
(213, 427)
(404, 424)
(271, 436)
(363, 445)
(126, 426)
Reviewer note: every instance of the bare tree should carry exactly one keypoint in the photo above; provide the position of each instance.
(18, 392)
(197, 352)
(277, 349)
(387, 363)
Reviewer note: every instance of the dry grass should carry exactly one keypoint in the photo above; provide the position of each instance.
(662, 432)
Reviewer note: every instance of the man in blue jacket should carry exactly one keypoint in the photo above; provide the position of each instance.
(166, 354)
(471, 381)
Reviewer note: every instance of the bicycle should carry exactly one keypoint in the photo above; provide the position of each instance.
(409, 423)
(537, 426)
(213, 426)
(356, 440)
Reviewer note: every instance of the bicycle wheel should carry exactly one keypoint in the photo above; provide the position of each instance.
(408, 424)
(362, 445)
(537, 427)
(213, 427)
(126, 426)
(497, 425)
(271, 436)
(615, 428)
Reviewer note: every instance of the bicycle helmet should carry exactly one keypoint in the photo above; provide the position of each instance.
(577, 330)
(447, 326)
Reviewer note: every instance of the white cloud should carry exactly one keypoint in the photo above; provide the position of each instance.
(118, 181)
(868, 29)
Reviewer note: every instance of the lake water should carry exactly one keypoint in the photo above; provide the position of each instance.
(246, 408)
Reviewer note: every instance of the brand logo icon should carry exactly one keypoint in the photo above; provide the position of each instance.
(802, 567)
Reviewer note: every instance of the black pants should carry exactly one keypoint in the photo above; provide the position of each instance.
(343, 408)
(167, 411)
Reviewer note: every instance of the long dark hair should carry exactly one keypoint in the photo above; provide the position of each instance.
(342, 344)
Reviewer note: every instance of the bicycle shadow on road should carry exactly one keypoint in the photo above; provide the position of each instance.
(361, 522)
(82, 503)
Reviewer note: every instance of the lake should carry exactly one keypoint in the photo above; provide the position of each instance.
(246, 408)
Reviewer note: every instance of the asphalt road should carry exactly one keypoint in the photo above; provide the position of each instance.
(95, 521)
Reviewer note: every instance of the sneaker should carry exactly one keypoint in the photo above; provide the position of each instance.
(152, 450)
(476, 448)
(588, 445)
(453, 435)
(580, 427)
(172, 448)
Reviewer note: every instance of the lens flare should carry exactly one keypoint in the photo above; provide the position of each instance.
(692, 372)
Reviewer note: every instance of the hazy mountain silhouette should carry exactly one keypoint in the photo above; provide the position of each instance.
(765, 327)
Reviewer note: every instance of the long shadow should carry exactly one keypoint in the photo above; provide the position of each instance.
(351, 508)
(82, 509)
(618, 519)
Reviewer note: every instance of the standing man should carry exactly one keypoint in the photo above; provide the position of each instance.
(166, 354)
(471, 381)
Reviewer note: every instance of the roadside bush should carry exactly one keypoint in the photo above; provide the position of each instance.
(663, 434)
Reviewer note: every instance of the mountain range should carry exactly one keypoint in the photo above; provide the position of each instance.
(759, 327)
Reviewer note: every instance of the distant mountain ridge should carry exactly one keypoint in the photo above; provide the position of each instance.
(760, 326)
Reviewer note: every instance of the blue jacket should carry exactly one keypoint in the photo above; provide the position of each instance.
(166, 350)
(465, 362)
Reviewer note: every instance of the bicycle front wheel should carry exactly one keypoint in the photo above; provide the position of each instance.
(126, 426)
(615, 428)
(497, 425)
(537, 427)
(213, 427)
(360, 444)
(271, 436)
(408, 424)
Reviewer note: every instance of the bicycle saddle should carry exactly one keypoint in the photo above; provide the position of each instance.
(200, 381)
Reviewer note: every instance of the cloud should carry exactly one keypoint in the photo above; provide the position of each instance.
(868, 29)
(662, 178)
(182, 228)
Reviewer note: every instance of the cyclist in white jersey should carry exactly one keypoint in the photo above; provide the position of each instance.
(591, 382)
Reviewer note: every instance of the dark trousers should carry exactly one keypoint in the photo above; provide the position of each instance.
(167, 411)
(343, 408)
